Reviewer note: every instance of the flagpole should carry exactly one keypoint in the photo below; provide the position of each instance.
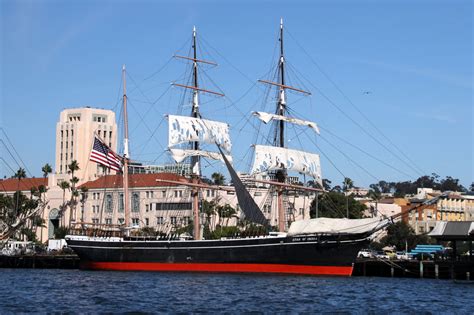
(126, 198)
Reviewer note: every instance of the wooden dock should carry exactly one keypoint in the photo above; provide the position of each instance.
(439, 269)
(40, 261)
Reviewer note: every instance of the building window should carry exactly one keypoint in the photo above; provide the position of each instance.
(173, 206)
(108, 203)
(160, 220)
(147, 221)
(163, 193)
(108, 221)
(135, 221)
(135, 202)
(147, 207)
(121, 220)
(121, 203)
(174, 220)
(95, 221)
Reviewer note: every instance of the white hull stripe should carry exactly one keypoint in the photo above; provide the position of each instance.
(211, 247)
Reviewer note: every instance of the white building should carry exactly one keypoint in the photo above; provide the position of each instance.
(75, 132)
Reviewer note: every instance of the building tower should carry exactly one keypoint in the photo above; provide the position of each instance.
(75, 137)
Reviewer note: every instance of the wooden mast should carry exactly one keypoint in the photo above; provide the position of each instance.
(281, 111)
(279, 140)
(126, 199)
(195, 159)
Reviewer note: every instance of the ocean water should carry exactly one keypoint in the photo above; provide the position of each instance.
(76, 291)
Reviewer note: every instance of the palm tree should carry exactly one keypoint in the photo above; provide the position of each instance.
(226, 212)
(218, 178)
(19, 174)
(84, 191)
(375, 195)
(346, 185)
(73, 167)
(209, 209)
(63, 185)
(47, 169)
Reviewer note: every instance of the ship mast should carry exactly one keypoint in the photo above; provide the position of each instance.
(279, 140)
(125, 152)
(281, 111)
(281, 99)
(195, 160)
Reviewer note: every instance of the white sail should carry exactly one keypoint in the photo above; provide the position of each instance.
(330, 226)
(185, 129)
(269, 158)
(267, 117)
(179, 155)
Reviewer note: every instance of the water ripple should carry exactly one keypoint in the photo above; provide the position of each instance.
(74, 291)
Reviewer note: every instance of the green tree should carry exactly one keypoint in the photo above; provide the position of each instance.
(64, 185)
(20, 174)
(326, 184)
(333, 205)
(73, 167)
(451, 184)
(375, 195)
(84, 195)
(347, 184)
(46, 169)
(21, 215)
(400, 233)
(218, 178)
(209, 209)
(226, 212)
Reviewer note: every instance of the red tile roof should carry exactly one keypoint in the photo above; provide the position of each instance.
(25, 184)
(134, 181)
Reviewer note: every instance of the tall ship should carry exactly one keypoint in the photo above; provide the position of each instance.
(320, 246)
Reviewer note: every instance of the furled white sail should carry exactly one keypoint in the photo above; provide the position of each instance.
(267, 117)
(269, 158)
(179, 155)
(332, 226)
(185, 129)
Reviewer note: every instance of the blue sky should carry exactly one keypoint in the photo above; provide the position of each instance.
(413, 57)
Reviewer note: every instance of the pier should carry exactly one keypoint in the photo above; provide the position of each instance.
(40, 261)
(438, 269)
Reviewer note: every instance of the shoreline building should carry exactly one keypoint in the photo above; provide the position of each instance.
(75, 132)
(164, 207)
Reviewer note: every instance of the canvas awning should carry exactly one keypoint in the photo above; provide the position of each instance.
(446, 230)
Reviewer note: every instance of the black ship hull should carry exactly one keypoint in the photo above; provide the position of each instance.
(312, 255)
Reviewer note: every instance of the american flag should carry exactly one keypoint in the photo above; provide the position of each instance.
(102, 154)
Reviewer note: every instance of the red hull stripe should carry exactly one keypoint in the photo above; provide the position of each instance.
(256, 268)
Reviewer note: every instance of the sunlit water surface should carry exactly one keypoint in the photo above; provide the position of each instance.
(46, 291)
